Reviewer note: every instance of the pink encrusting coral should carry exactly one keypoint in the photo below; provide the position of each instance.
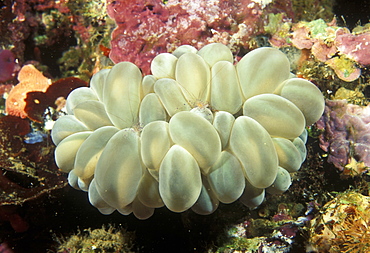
(326, 40)
(344, 51)
(346, 133)
(147, 28)
(355, 46)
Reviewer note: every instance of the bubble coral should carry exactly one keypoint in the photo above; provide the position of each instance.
(196, 132)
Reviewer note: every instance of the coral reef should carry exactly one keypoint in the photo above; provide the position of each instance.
(72, 38)
(345, 136)
(39, 31)
(27, 164)
(275, 230)
(343, 51)
(27, 170)
(145, 29)
(183, 141)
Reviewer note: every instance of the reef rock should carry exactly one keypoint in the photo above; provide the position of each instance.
(346, 133)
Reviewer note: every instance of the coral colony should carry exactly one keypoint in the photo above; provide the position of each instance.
(198, 131)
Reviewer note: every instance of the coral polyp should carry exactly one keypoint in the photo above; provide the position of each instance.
(199, 131)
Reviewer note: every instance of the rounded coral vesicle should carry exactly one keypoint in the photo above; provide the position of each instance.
(198, 131)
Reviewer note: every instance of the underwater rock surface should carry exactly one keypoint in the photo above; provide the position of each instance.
(145, 29)
(346, 133)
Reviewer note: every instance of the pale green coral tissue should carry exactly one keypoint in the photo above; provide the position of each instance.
(199, 131)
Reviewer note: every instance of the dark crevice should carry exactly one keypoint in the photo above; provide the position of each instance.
(352, 13)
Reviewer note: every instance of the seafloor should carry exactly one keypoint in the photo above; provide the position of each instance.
(63, 43)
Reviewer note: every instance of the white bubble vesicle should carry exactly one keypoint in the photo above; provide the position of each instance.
(198, 132)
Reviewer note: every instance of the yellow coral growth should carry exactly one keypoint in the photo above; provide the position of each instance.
(344, 225)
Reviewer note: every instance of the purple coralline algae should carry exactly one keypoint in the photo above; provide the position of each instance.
(147, 28)
(346, 135)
